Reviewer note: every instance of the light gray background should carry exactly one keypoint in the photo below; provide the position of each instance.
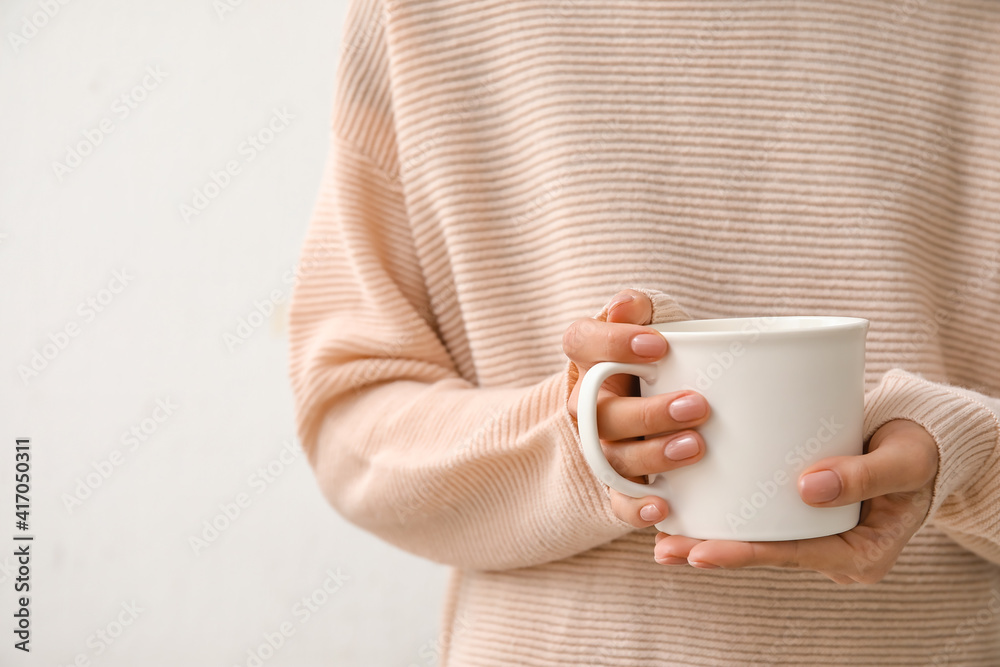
(162, 337)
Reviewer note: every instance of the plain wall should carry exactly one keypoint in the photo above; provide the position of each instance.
(113, 513)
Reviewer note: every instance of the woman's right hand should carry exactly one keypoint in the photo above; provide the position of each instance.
(623, 418)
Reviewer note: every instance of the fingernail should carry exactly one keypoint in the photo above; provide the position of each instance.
(620, 300)
(820, 487)
(681, 448)
(688, 408)
(649, 345)
(702, 565)
(650, 513)
(671, 560)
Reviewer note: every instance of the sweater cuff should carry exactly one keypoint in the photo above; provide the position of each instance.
(964, 429)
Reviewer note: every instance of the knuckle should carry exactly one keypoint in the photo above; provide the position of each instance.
(622, 507)
(642, 461)
(609, 345)
(648, 415)
(928, 465)
(573, 339)
(614, 457)
(867, 480)
(870, 576)
(871, 572)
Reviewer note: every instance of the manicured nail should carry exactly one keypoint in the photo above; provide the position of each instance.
(688, 408)
(649, 345)
(620, 300)
(650, 513)
(820, 487)
(671, 560)
(702, 565)
(681, 448)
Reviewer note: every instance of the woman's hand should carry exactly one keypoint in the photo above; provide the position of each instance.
(623, 419)
(895, 478)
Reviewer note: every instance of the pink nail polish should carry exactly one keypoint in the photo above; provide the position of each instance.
(620, 300)
(681, 448)
(649, 345)
(650, 513)
(671, 560)
(688, 407)
(702, 565)
(820, 487)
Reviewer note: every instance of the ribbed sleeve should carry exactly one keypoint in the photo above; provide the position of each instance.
(475, 477)
(501, 168)
(966, 499)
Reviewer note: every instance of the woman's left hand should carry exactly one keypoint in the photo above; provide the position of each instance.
(895, 478)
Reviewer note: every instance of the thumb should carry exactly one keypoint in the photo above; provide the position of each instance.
(629, 307)
(902, 457)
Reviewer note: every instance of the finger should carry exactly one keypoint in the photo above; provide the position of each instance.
(638, 512)
(630, 306)
(821, 554)
(627, 417)
(588, 341)
(864, 554)
(673, 549)
(800, 555)
(894, 464)
(636, 458)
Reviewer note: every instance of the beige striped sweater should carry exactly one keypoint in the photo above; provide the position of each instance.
(500, 168)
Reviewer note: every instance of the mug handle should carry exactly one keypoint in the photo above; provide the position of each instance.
(586, 420)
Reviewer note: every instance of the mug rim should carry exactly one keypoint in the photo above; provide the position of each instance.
(759, 327)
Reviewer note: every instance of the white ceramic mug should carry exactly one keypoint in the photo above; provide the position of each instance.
(785, 392)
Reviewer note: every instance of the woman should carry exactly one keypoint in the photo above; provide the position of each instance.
(499, 170)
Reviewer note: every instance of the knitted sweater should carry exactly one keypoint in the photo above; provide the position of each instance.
(501, 168)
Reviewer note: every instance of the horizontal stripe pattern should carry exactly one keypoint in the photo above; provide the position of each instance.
(500, 168)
